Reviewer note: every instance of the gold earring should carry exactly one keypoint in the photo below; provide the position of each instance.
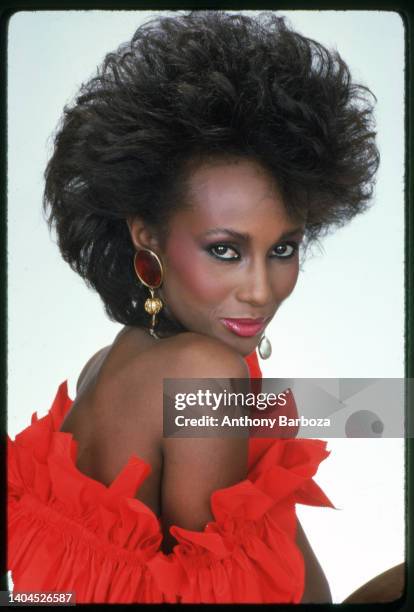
(149, 270)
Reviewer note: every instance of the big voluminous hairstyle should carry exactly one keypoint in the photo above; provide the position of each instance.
(185, 88)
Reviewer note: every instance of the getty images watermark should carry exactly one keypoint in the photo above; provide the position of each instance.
(305, 408)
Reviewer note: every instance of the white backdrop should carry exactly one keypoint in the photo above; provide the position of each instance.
(344, 319)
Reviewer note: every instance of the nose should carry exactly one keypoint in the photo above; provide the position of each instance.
(255, 285)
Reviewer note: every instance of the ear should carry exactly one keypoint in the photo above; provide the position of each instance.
(142, 235)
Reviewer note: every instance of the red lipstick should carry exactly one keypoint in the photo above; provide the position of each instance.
(245, 327)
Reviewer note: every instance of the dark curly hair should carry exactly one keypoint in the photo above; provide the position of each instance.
(188, 87)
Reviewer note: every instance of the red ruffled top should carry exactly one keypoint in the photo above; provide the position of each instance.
(69, 532)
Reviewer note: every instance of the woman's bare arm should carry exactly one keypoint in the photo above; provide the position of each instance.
(195, 467)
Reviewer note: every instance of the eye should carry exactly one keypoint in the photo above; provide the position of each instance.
(223, 251)
(286, 249)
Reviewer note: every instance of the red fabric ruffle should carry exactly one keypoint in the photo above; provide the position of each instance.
(248, 553)
(69, 532)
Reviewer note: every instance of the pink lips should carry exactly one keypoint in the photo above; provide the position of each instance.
(245, 327)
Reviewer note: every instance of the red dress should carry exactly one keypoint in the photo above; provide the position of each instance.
(69, 532)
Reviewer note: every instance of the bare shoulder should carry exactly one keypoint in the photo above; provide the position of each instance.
(133, 378)
(195, 355)
(185, 356)
(89, 365)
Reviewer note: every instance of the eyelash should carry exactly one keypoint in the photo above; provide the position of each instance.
(294, 246)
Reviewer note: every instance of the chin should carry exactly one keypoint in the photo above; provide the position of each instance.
(244, 346)
(253, 348)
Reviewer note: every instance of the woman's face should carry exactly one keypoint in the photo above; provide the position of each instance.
(231, 257)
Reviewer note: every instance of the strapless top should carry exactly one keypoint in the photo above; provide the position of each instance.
(70, 533)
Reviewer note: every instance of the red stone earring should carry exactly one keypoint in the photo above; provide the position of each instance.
(149, 270)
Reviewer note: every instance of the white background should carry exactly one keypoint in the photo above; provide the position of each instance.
(344, 319)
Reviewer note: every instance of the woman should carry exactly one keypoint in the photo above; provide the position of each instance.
(182, 183)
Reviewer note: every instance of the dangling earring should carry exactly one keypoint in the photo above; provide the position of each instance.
(264, 348)
(149, 270)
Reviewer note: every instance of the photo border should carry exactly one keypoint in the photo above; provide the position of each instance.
(407, 14)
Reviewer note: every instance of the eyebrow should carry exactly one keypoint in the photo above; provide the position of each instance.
(244, 237)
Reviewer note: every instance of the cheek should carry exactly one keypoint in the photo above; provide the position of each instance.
(286, 280)
(189, 274)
